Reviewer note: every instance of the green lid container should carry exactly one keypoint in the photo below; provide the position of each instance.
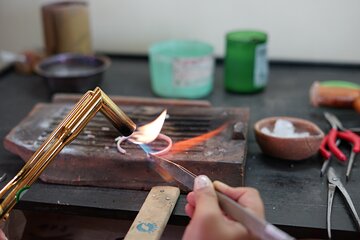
(181, 68)
(246, 65)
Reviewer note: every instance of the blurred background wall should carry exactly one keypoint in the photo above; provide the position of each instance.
(307, 30)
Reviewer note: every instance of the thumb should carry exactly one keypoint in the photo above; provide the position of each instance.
(2, 235)
(205, 197)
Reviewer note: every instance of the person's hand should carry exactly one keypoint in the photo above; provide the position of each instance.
(208, 222)
(2, 235)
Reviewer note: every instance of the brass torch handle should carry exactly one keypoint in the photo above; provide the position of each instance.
(117, 117)
(64, 133)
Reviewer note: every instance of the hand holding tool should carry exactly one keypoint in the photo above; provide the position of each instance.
(334, 181)
(65, 132)
(259, 227)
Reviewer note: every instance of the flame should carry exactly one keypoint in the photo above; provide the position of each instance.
(189, 143)
(161, 171)
(166, 176)
(148, 132)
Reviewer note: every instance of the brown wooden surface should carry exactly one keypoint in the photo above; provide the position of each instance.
(138, 101)
(93, 159)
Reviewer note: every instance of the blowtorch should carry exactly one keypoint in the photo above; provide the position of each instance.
(64, 133)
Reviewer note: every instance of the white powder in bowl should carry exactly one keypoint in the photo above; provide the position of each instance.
(284, 129)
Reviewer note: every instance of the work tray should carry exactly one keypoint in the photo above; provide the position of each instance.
(207, 140)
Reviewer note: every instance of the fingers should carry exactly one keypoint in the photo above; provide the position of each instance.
(2, 235)
(247, 197)
(208, 222)
(205, 197)
(190, 198)
(234, 193)
(203, 191)
(189, 210)
(191, 203)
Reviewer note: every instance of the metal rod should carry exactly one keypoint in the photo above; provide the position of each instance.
(3, 177)
(325, 166)
(350, 164)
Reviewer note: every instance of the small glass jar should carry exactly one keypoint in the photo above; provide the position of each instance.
(246, 65)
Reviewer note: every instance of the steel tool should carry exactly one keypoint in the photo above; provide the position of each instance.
(327, 161)
(331, 141)
(353, 138)
(355, 130)
(3, 177)
(64, 133)
(259, 227)
(334, 181)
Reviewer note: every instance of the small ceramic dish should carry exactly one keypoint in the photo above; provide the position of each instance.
(290, 148)
(71, 72)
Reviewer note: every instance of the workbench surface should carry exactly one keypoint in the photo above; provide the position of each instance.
(294, 194)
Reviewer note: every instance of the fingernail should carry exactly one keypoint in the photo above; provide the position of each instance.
(201, 181)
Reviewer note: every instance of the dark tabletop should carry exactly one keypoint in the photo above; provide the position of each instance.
(294, 194)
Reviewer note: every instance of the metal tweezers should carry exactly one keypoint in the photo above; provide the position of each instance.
(3, 177)
(334, 181)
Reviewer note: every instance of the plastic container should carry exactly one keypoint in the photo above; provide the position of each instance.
(334, 93)
(181, 68)
(246, 65)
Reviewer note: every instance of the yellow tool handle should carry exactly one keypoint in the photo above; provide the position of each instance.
(154, 214)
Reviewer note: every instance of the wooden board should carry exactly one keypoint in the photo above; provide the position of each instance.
(92, 158)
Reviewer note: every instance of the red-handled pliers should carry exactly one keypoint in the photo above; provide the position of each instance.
(329, 140)
(329, 143)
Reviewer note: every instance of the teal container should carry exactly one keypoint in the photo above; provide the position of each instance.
(246, 65)
(181, 68)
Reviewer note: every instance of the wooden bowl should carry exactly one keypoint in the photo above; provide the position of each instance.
(297, 148)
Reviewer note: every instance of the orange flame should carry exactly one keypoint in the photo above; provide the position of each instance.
(189, 143)
(148, 132)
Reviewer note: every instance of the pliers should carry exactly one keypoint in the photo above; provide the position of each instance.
(333, 182)
(355, 144)
(331, 140)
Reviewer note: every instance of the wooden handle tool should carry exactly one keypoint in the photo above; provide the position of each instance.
(154, 214)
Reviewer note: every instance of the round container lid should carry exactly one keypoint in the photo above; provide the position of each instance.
(247, 36)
